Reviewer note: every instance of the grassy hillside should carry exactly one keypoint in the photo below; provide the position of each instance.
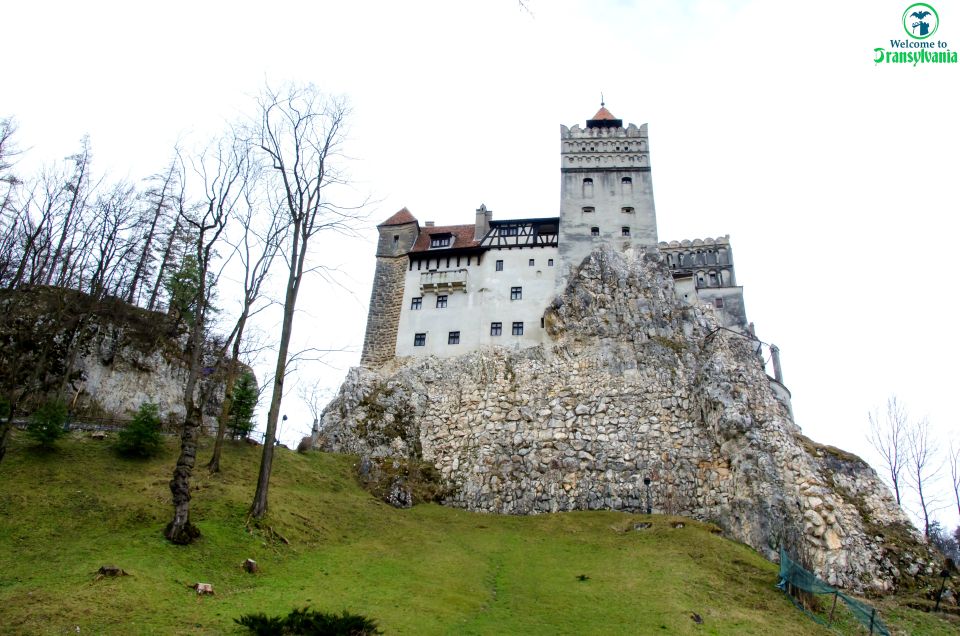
(429, 570)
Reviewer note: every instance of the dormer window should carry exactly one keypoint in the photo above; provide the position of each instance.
(509, 230)
(440, 240)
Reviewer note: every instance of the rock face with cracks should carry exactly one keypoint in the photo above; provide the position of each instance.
(634, 385)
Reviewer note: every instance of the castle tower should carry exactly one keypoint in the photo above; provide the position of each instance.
(397, 236)
(606, 191)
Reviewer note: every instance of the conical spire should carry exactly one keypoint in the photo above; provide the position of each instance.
(604, 119)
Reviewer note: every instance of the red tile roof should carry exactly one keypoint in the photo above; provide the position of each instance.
(400, 218)
(462, 237)
(603, 113)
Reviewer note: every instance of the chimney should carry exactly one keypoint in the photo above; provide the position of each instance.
(484, 216)
(428, 224)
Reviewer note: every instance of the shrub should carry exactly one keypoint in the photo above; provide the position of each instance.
(46, 424)
(142, 437)
(310, 623)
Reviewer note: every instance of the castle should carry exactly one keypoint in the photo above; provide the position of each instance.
(448, 290)
(627, 377)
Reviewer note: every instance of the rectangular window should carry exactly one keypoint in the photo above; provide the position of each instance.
(518, 328)
(718, 303)
(453, 337)
(550, 262)
(419, 339)
(588, 210)
(530, 262)
(499, 266)
(441, 301)
(516, 293)
(510, 230)
(416, 303)
(627, 210)
(496, 328)
(625, 231)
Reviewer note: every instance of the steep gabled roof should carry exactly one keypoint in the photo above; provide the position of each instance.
(462, 237)
(400, 218)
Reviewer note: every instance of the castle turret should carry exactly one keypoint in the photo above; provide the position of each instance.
(606, 193)
(397, 236)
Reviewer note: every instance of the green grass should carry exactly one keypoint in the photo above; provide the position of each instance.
(428, 570)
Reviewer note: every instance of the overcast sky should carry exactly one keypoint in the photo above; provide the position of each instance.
(836, 178)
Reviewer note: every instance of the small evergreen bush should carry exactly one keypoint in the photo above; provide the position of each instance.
(46, 424)
(142, 437)
(245, 395)
(309, 623)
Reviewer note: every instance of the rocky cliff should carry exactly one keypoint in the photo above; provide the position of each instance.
(103, 356)
(635, 385)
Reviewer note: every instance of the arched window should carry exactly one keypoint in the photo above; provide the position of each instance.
(588, 188)
(626, 186)
(594, 231)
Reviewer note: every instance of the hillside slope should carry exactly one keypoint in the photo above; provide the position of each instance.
(427, 570)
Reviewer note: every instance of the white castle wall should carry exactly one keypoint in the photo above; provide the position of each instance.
(486, 299)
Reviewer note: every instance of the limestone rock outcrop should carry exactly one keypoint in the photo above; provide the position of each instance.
(635, 385)
(103, 356)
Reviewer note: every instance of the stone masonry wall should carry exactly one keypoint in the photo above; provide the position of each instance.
(633, 385)
(386, 301)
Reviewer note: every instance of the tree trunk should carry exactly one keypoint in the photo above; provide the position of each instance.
(259, 507)
(214, 464)
(5, 429)
(164, 264)
(180, 530)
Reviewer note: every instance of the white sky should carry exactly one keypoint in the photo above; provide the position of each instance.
(837, 179)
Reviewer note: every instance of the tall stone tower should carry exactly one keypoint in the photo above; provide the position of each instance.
(606, 191)
(397, 236)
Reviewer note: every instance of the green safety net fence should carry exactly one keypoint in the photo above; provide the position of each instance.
(795, 575)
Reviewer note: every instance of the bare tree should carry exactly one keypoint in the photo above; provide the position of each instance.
(222, 168)
(256, 250)
(889, 438)
(78, 188)
(954, 461)
(300, 130)
(315, 398)
(114, 218)
(923, 466)
(159, 199)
